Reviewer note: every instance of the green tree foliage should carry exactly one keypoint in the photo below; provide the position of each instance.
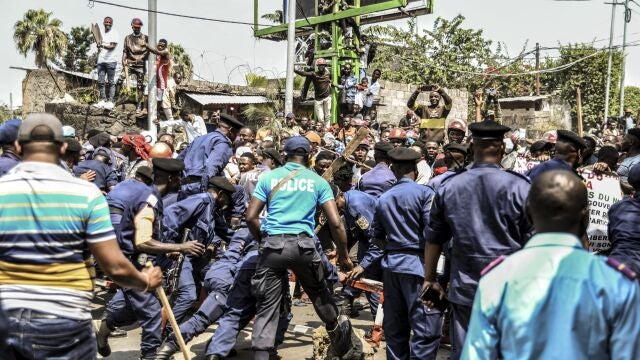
(181, 60)
(631, 100)
(456, 57)
(37, 32)
(590, 75)
(77, 57)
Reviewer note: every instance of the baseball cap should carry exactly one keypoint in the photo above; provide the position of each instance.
(40, 127)
(68, 131)
(296, 143)
(291, 115)
(136, 22)
(9, 131)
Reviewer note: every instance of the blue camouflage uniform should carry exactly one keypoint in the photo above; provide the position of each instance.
(217, 283)
(198, 213)
(551, 300)
(553, 164)
(126, 201)
(624, 231)
(106, 177)
(401, 219)
(481, 211)
(377, 180)
(358, 216)
(241, 304)
(205, 157)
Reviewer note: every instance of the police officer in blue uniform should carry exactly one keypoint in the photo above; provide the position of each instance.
(481, 211)
(207, 156)
(401, 218)
(569, 149)
(379, 179)
(106, 178)
(623, 228)
(8, 135)
(359, 208)
(286, 238)
(454, 157)
(553, 298)
(197, 212)
(217, 283)
(136, 210)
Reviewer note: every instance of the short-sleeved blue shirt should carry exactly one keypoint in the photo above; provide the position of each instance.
(292, 208)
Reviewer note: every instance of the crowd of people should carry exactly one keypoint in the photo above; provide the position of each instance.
(435, 209)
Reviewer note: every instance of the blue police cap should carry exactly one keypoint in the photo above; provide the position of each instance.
(402, 154)
(167, 164)
(221, 182)
(297, 144)
(9, 131)
(488, 130)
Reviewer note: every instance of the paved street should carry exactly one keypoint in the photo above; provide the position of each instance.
(295, 347)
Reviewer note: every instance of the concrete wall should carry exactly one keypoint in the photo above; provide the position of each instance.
(394, 96)
(538, 122)
(84, 118)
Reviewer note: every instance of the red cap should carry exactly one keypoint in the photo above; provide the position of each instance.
(397, 133)
(136, 23)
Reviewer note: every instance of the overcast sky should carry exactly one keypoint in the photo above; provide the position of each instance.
(225, 52)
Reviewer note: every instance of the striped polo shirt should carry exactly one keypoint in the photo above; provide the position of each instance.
(47, 220)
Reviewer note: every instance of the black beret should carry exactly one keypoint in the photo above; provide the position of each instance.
(233, 122)
(382, 146)
(402, 154)
(538, 145)
(488, 130)
(462, 148)
(73, 145)
(145, 171)
(168, 164)
(221, 182)
(273, 154)
(635, 132)
(570, 136)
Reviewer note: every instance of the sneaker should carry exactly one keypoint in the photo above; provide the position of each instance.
(108, 105)
(341, 336)
(102, 339)
(100, 104)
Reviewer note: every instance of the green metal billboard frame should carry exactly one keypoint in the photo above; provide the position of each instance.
(337, 53)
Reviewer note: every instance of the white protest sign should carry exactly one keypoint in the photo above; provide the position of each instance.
(603, 190)
(523, 165)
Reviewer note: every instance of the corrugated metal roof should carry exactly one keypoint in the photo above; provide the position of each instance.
(206, 99)
(524, 98)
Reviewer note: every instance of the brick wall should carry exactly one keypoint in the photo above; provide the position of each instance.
(394, 96)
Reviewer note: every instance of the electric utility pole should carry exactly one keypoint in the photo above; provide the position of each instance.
(537, 69)
(627, 19)
(608, 86)
(291, 54)
(151, 68)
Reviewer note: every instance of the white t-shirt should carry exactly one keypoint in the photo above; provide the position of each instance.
(109, 56)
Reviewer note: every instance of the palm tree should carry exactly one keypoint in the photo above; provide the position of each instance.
(41, 34)
(181, 60)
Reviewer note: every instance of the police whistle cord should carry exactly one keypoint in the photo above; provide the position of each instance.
(172, 319)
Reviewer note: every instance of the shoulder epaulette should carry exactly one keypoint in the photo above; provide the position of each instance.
(492, 264)
(623, 268)
(518, 175)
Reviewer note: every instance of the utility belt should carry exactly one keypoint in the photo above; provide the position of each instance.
(115, 210)
(417, 252)
(191, 179)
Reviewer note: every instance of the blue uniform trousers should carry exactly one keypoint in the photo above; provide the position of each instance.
(460, 317)
(129, 306)
(241, 308)
(404, 312)
(191, 275)
(36, 335)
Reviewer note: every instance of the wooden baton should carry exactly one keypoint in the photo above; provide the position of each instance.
(172, 319)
